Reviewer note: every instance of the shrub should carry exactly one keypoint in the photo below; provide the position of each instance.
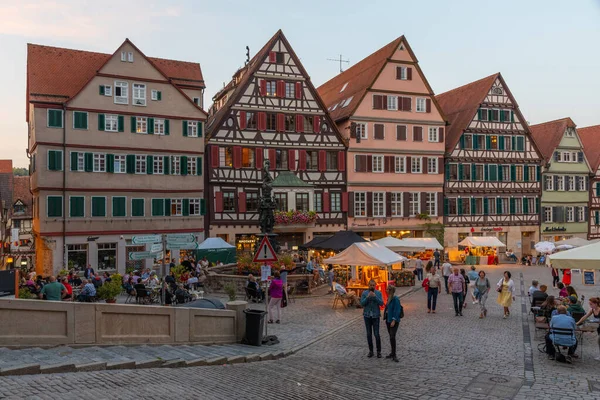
(25, 293)
(178, 270)
(231, 291)
(109, 290)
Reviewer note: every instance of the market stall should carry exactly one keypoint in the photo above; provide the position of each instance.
(216, 249)
(575, 242)
(481, 250)
(399, 245)
(584, 258)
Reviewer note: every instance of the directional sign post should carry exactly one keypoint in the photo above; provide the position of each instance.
(145, 239)
(156, 247)
(182, 246)
(181, 238)
(265, 252)
(141, 255)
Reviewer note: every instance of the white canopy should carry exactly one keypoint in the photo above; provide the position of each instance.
(428, 243)
(575, 242)
(477, 241)
(396, 244)
(584, 257)
(214, 243)
(368, 253)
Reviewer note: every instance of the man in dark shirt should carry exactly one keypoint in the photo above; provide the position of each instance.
(539, 296)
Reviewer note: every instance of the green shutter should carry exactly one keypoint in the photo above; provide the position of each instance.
(525, 206)
(447, 172)
(184, 126)
(514, 143)
(501, 142)
(76, 206)
(473, 206)
(133, 125)
(101, 122)
(118, 207)
(55, 207)
(55, 118)
(475, 142)
(149, 165)
(130, 164)
(166, 165)
(512, 205)
(167, 132)
(202, 207)
(537, 205)
(150, 126)
(512, 116)
(460, 172)
(473, 172)
(493, 172)
(167, 207)
(59, 160)
(98, 207)
(538, 173)
(520, 143)
(159, 95)
(446, 206)
(513, 173)
(500, 173)
(486, 175)
(488, 142)
(89, 162)
(110, 163)
(199, 166)
(498, 205)
(200, 127)
(490, 114)
(479, 114)
(525, 173)
(101, 90)
(184, 165)
(121, 123)
(462, 141)
(137, 207)
(459, 206)
(598, 189)
(74, 161)
(51, 160)
(486, 207)
(186, 207)
(597, 217)
(80, 120)
(158, 207)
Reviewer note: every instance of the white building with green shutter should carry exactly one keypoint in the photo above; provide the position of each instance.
(117, 148)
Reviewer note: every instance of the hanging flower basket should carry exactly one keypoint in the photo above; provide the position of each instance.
(295, 217)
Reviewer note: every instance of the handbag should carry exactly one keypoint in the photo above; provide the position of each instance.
(425, 284)
(284, 302)
(499, 289)
(401, 311)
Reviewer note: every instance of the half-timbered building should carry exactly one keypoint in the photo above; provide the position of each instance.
(493, 167)
(590, 137)
(271, 111)
(387, 110)
(565, 175)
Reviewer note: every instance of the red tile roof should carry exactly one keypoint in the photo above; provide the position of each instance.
(21, 192)
(547, 135)
(461, 104)
(590, 137)
(6, 166)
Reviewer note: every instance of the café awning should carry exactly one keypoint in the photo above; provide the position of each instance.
(366, 254)
(339, 241)
(428, 243)
(575, 242)
(584, 257)
(481, 241)
(396, 244)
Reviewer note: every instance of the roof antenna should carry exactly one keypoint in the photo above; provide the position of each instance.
(247, 55)
(340, 60)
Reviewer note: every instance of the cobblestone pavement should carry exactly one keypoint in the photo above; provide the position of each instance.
(442, 357)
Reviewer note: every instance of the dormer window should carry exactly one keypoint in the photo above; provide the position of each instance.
(19, 207)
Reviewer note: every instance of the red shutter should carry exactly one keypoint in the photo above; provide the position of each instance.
(262, 121)
(280, 89)
(292, 160)
(408, 165)
(219, 202)
(407, 106)
(386, 164)
(440, 166)
(299, 123)
(341, 161)
(409, 74)
(214, 156)
(398, 72)
(242, 202)
(258, 158)
(369, 164)
(272, 158)
(317, 124)
(345, 202)
(322, 160)
(400, 103)
(424, 167)
(299, 90)
(280, 122)
(242, 120)
(263, 87)
(301, 160)
(441, 135)
(428, 105)
(237, 157)
(326, 202)
(272, 57)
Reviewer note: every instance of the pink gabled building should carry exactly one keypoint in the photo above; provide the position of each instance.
(386, 108)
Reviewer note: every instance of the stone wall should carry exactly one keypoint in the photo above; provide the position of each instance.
(217, 282)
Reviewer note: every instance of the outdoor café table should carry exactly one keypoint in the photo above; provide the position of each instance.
(358, 288)
(585, 328)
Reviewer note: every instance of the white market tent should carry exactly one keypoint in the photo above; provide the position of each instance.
(366, 254)
(214, 243)
(396, 244)
(575, 242)
(584, 257)
(428, 243)
(478, 241)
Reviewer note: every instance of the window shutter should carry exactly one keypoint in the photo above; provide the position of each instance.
(513, 173)
(462, 141)
(408, 165)
(369, 200)
(159, 95)
(167, 129)
(110, 163)
(302, 160)
(398, 72)
(130, 164)
(448, 173)
(597, 217)
(440, 202)
(280, 122)
(322, 160)
(459, 209)
(272, 158)
(378, 134)
(586, 213)
(89, 162)
(133, 125)
(475, 142)
(526, 206)
(499, 206)
(386, 163)
(166, 165)
(121, 123)
(167, 207)
(406, 204)
(101, 90)
(242, 122)
(184, 128)
(407, 106)
(149, 165)
(486, 175)
(580, 157)
(512, 116)
(200, 128)
(520, 143)
(184, 165)
(258, 157)
(486, 207)
(369, 163)
(500, 173)
(341, 161)
(202, 207)
(317, 124)
(299, 123)
(298, 90)
(446, 206)
(242, 202)
(344, 202)
(537, 205)
(428, 105)
(488, 142)
(199, 166)
(538, 173)
(554, 213)
(501, 143)
(74, 157)
(150, 126)
(272, 57)
(441, 135)
(525, 173)
(400, 103)
(326, 202)
(597, 189)
(349, 196)
(262, 121)
(101, 122)
(401, 132)
(423, 201)
(237, 157)
(185, 207)
(280, 89)
(473, 172)
(292, 160)
(409, 73)
(263, 87)
(214, 156)
(460, 172)
(219, 202)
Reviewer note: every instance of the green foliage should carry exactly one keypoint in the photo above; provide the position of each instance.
(230, 290)
(129, 270)
(117, 277)
(20, 171)
(178, 270)
(26, 294)
(109, 290)
(63, 272)
(435, 230)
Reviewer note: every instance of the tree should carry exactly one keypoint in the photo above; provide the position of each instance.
(20, 171)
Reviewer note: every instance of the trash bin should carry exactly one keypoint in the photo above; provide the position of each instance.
(255, 325)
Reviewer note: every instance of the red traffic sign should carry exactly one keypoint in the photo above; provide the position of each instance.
(265, 252)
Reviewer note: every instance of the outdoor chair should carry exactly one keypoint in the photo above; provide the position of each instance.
(252, 295)
(141, 294)
(577, 315)
(291, 294)
(340, 298)
(563, 332)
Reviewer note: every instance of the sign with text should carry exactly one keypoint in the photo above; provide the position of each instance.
(145, 239)
(182, 246)
(589, 277)
(265, 272)
(156, 247)
(141, 255)
(265, 252)
(180, 238)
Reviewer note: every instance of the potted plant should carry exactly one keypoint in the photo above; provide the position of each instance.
(109, 291)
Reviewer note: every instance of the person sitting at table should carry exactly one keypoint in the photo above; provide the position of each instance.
(563, 290)
(534, 287)
(136, 277)
(76, 281)
(574, 307)
(182, 295)
(152, 281)
(128, 286)
(106, 277)
(184, 277)
(351, 295)
(96, 280)
(192, 282)
(88, 291)
(539, 296)
(571, 292)
(561, 321)
(54, 290)
(594, 303)
(67, 285)
(254, 288)
(547, 308)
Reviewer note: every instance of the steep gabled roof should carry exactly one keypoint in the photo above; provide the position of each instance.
(461, 104)
(21, 192)
(56, 75)
(548, 135)
(590, 137)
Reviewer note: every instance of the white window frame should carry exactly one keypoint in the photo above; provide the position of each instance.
(549, 183)
(139, 94)
(154, 94)
(362, 130)
(531, 205)
(99, 162)
(560, 185)
(581, 214)
(431, 170)
(141, 124)
(377, 164)
(107, 90)
(392, 103)
(159, 126)
(124, 88)
(111, 123)
(518, 205)
(194, 206)
(177, 203)
(421, 106)
(120, 166)
(416, 168)
(583, 184)
(360, 204)
(191, 166)
(570, 213)
(403, 73)
(158, 165)
(140, 160)
(130, 57)
(548, 214)
(397, 204)
(80, 162)
(412, 203)
(400, 164)
(192, 128)
(378, 204)
(572, 183)
(431, 205)
(123, 56)
(175, 165)
(433, 135)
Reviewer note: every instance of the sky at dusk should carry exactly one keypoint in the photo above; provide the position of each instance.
(547, 50)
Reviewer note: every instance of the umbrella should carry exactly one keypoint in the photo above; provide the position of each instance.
(565, 247)
(204, 303)
(544, 247)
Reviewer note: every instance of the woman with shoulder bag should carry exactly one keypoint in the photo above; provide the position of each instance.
(506, 293)
(482, 287)
(391, 315)
(433, 288)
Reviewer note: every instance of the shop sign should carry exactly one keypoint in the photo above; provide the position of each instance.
(555, 229)
(246, 241)
(498, 229)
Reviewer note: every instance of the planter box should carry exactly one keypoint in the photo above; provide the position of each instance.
(293, 227)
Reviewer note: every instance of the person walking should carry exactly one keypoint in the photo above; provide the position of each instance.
(436, 258)
(555, 277)
(594, 303)
(457, 287)
(566, 280)
(371, 300)
(482, 288)
(467, 284)
(446, 272)
(392, 315)
(419, 268)
(506, 292)
(434, 284)
(472, 274)
(330, 277)
(275, 295)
